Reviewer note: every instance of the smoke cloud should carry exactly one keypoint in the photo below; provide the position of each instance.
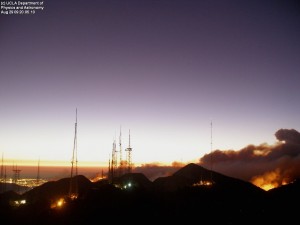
(267, 166)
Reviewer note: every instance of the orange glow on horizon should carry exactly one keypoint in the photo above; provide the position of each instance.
(268, 180)
(54, 163)
(60, 163)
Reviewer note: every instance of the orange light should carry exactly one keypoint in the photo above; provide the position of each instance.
(268, 180)
(58, 204)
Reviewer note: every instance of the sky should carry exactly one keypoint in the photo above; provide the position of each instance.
(185, 77)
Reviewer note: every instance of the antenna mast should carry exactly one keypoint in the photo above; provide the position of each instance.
(2, 168)
(73, 191)
(121, 160)
(109, 175)
(2, 175)
(4, 178)
(38, 174)
(16, 172)
(128, 158)
(112, 165)
(211, 151)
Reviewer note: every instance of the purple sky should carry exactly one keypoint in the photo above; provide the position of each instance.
(162, 68)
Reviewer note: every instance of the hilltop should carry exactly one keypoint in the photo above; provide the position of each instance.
(192, 193)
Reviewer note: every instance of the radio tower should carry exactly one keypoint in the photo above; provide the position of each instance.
(4, 178)
(73, 191)
(2, 171)
(114, 158)
(109, 175)
(38, 174)
(121, 160)
(112, 163)
(16, 172)
(128, 156)
(211, 179)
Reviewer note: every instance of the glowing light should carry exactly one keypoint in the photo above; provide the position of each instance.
(73, 196)
(203, 183)
(98, 178)
(127, 185)
(268, 180)
(58, 204)
(267, 186)
(19, 202)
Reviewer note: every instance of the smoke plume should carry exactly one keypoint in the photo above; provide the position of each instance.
(267, 166)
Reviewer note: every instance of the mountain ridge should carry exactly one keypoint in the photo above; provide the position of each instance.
(178, 197)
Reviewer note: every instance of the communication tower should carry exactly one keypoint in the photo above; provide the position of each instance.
(211, 162)
(121, 160)
(2, 174)
(16, 172)
(38, 174)
(73, 191)
(128, 156)
(113, 162)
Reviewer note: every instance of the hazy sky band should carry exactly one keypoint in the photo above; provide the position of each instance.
(163, 69)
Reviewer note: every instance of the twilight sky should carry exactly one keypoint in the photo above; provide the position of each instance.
(162, 68)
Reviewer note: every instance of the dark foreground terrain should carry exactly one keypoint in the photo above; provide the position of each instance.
(183, 197)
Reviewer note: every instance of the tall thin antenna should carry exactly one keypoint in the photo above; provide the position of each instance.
(76, 162)
(112, 165)
(16, 172)
(115, 156)
(211, 141)
(2, 167)
(128, 158)
(129, 140)
(109, 175)
(38, 174)
(121, 160)
(2, 176)
(73, 191)
(113, 162)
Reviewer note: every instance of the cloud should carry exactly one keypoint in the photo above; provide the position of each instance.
(289, 136)
(263, 164)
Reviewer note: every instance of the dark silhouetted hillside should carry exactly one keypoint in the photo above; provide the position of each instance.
(184, 197)
(12, 187)
(284, 200)
(55, 189)
(134, 181)
(193, 175)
